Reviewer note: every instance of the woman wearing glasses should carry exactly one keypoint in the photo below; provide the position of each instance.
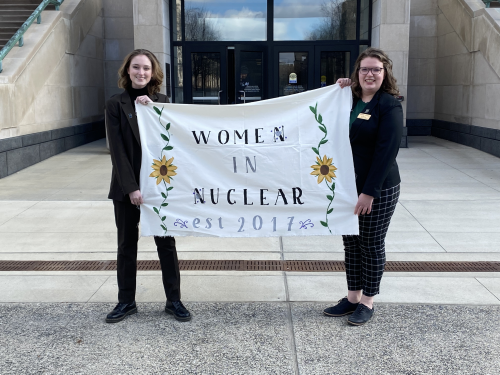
(376, 127)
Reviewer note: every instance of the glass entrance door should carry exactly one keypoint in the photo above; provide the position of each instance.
(294, 68)
(206, 72)
(332, 64)
(250, 74)
(225, 74)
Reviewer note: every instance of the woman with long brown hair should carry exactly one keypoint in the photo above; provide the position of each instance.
(141, 77)
(376, 127)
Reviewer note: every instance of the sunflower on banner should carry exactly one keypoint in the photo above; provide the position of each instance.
(163, 170)
(324, 169)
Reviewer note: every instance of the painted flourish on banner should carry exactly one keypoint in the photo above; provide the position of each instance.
(245, 170)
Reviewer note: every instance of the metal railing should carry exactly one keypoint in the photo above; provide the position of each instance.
(19, 35)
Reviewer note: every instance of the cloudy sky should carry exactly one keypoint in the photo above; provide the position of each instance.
(246, 20)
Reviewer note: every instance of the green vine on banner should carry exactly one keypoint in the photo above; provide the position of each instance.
(163, 170)
(324, 169)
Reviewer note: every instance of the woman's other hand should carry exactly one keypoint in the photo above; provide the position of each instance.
(364, 205)
(143, 100)
(344, 82)
(136, 197)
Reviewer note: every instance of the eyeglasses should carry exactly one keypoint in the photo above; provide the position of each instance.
(375, 71)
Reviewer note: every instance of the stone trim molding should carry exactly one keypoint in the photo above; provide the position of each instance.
(478, 137)
(17, 153)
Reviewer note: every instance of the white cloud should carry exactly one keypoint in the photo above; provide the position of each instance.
(240, 29)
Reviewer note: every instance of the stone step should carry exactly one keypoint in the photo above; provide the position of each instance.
(15, 12)
(17, 2)
(6, 35)
(6, 7)
(16, 24)
(21, 19)
(8, 30)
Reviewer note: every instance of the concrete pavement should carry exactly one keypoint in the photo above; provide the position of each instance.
(252, 322)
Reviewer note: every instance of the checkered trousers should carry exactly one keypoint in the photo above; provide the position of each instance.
(365, 254)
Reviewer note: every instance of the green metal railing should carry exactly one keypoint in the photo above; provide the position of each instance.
(19, 35)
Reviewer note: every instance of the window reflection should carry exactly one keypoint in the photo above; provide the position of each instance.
(364, 19)
(292, 73)
(251, 79)
(334, 65)
(216, 20)
(315, 20)
(177, 21)
(178, 75)
(206, 77)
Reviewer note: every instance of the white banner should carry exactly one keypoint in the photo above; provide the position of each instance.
(279, 167)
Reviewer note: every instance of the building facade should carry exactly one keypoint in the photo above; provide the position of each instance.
(445, 53)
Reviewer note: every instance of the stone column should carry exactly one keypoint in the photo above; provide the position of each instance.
(118, 39)
(152, 30)
(391, 33)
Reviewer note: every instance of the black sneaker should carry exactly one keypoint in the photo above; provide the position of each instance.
(177, 309)
(121, 311)
(362, 315)
(343, 307)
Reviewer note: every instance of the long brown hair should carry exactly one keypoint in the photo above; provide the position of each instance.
(389, 84)
(154, 85)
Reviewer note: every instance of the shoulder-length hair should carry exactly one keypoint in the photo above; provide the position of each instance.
(389, 84)
(154, 85)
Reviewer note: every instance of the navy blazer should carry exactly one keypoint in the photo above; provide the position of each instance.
(375, 144)
(125, 144)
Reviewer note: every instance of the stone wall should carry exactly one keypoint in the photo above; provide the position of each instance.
(56, 79)
(52, 88)
(454, 72)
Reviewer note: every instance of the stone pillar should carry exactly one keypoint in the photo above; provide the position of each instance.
(391, 33)
(422, 65)
(118, 39)
(152, 30)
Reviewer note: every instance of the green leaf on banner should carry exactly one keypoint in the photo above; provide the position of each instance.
(164, 204)
(323, 141)
(163, 218)
(329, 211)
(156, 210)
(312, 109)
(157, 110)
(315, 150)
(168, 148)
(163, 195)
(320, 119)
(164, 137)
(168, 126)
(170, 188)
(322, 128)
(164, 228)
(330, 198)
(324, 224)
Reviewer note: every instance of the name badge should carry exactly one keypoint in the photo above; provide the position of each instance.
(364, 116)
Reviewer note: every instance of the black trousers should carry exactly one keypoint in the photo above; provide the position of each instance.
(365, 254)
(127, 218)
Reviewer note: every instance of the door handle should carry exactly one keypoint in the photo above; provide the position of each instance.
(244, 97)
(218, 96)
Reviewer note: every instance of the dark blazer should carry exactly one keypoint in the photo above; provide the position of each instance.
(375, 144)
(125, 144)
